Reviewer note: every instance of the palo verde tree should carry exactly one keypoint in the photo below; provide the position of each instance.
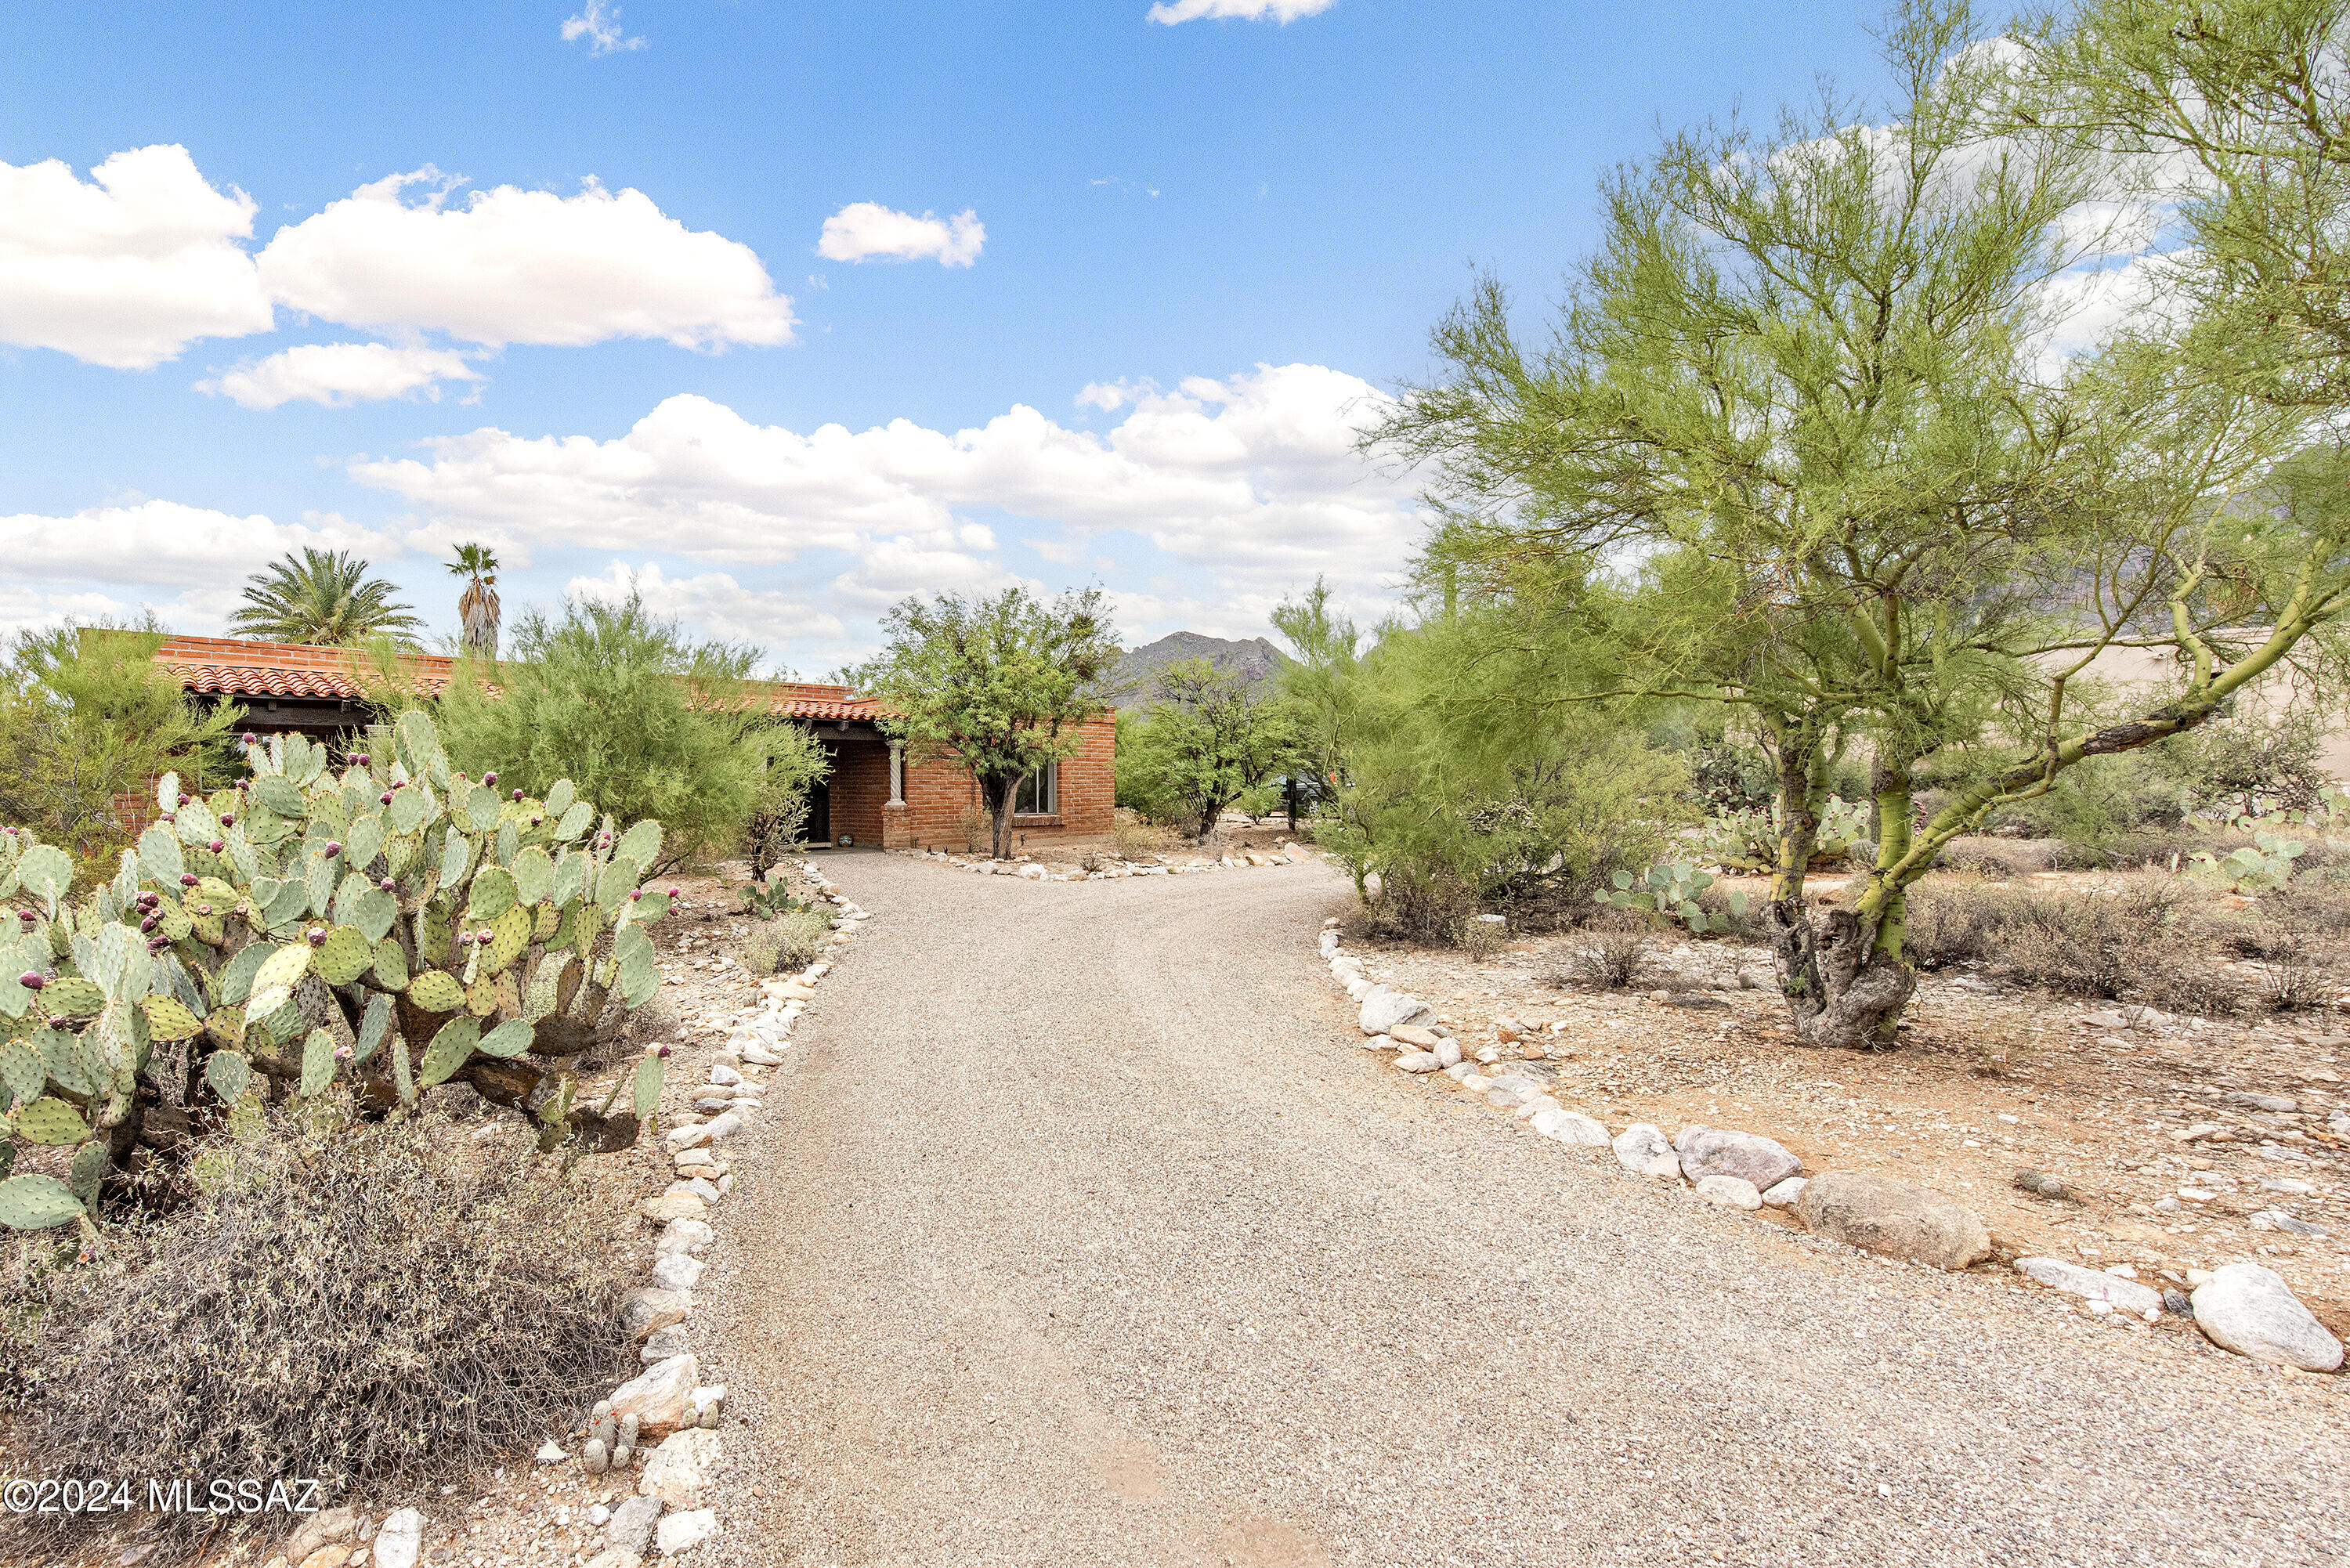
(1207, 740)
(1000, 683)
(1793, 448)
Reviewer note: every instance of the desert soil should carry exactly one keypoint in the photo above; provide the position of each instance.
(1081, 1229)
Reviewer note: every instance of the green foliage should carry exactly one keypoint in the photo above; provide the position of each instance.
(1002, 684)
(646, 722)
(1206, 742)
(88, 715)
(325, 597)
(764, 900)
(306, 937)
(794, 765)
(1671, 890)
(1453, 791)
(2264, 864)
(1748, 840)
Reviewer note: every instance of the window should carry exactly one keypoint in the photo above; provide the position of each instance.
(1038, 794)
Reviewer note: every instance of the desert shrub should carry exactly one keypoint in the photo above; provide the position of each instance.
(1951, 924)
(1135, 838)
(2087, 944)
(1451, 792)
(2320, 906)
(1209, 742)
(1611, 953)
(359, 1308)
(1724, 919)
(785, 944)
(1986, 856)
(637, 716)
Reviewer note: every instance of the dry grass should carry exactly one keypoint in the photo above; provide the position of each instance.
(358, 1305)
(1614, 954)
(786, 944)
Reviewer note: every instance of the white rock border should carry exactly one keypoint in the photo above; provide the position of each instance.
(1288, 853)
(1389, 1017)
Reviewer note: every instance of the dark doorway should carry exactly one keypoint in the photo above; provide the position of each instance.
(819, 817)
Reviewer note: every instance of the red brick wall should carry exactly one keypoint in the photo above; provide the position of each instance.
(939, 795)
(860, 788)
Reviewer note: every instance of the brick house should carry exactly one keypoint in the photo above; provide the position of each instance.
(874, 794)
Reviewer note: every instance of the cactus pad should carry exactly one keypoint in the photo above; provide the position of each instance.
(513, 930)
(36, 1202)
(511, 1038)
(169, 1020)
(452, 1047)
(650, 1073)
(49, 1120)
(22, 1072)
(362, 841)
(158, 857)
(390, 967)
(87, 1169)
(494, 893)
(344, 956)
(372, 1029)
(318, 1062)
(282, 796)
(436, 990)
(228, 1072)
(545, 920)
(482, 997)
(407, 810)
(74, 997)
(534, 874)
(273, 985)
(227, 1025)
(576, 820)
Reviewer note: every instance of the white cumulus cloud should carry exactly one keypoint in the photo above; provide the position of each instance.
(601, 26)
(509, 266)
(1282, 11)
(863, 231)
(1254, 480)
(129, 267)
(163, 542)
(715, 604)
(341, 374)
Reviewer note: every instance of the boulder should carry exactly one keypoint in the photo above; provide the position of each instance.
(401, 1539)
(1510, 1091)
(1572, 1127)
(320, 1530)
(1449, 1052)
(645, 1309)
(2090, 1284)
(631, 1529)
(1384, 1007)
(1750, 1156)
(1881, 1215)
(677, 1272)
(1784, 1194)
(683, 1236)
(1730, 1192)
(673, 1205)
(1413, 1035)
(1642, 1149)
(680, 1468)
(2250, 1310)
(657, 1398)
(683, 1531)
(1419, 1061)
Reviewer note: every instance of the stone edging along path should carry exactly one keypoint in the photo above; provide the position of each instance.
(2241, 1307)
(666, 1421)
(1111, 867)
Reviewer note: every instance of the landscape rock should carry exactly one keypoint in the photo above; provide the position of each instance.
(2250, 1310)
(632, 1530)
(1752, 1158)
(1880, 1215)
(320, 1528)
(760, 1055)
(657, 1398)
(1730, 1192)
(1413, 1035)
(1419, 1061)
(681, 1468)
(550, 1452)
(397, 1544)
(1384, 1007)
(1784, 1194)
(2090, 1284)
(1449, 1052)
(664, 1342)
(675, 1205)
(684, 1236)
(677, 1272)
(1528, 1109)
(1572, 1127)
(693, 1135)
(683, 1531)
(727, 1126)
(1510, 1091)
(613, 1557)
(1645, 1151)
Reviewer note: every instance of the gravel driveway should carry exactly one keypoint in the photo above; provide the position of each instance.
(1080, 1232)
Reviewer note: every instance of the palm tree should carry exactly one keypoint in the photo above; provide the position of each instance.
(477, 606)
(326, 597)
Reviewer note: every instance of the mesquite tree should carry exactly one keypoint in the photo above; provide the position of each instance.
(1001, 684)
(1797, 447)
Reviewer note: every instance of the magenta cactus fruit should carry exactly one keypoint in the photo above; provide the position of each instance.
(387, 884)
(517, 794)
(250, 737)
(333, 849)
(218, 844)
(203, 908)
(384, 799)
(317, 935)
(187, 878)
(344, 1053)
(32, 979)
(488, 778)
(228, 821)
(536, 820)
(184, 800)
(148, 924)
(673, 892)
(464, 938)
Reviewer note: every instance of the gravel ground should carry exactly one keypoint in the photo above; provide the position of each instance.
(1080, 1232)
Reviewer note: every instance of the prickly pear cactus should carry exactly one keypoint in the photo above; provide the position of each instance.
(1669, 891)
(374, 927)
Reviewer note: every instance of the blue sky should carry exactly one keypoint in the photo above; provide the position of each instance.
(781, 311)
